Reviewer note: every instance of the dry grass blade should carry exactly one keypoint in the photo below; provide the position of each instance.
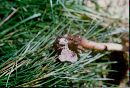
(7, 18)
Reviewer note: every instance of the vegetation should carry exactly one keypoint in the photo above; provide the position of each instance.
(27, 58)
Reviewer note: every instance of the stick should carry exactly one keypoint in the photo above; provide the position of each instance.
(87, 44)
(102, 46)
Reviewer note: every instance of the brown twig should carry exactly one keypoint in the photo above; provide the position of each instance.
(102, 46)
(87, 44)
(7, 18)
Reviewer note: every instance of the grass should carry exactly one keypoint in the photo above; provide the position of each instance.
(26, 39)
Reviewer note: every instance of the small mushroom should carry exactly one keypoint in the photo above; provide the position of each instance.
(68, 55)
(67, 50)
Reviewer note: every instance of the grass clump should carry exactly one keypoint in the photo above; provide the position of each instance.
(26, 40)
